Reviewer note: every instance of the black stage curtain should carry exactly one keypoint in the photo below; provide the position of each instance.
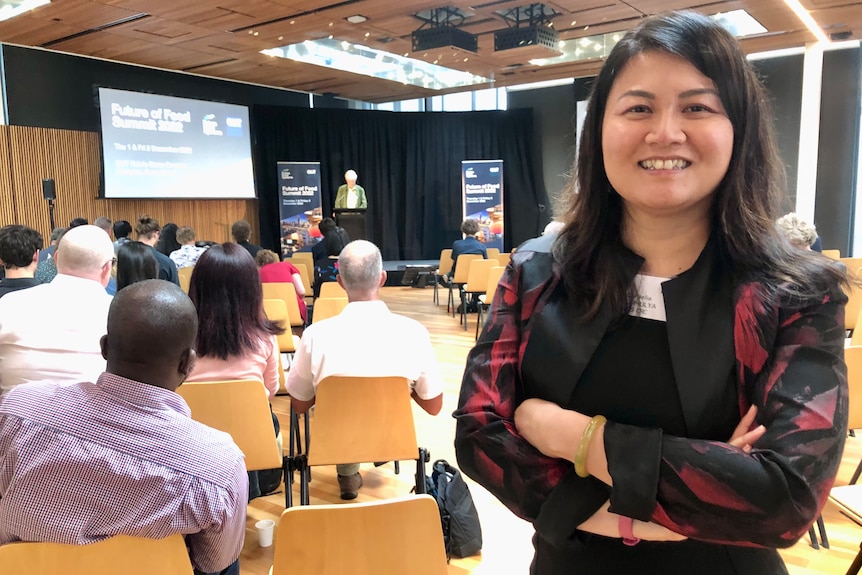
(408, 163)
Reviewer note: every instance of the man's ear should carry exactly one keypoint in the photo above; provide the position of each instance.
(187, 362)
(103, 345)
(383, 277)
(36, 256)
(341, 283)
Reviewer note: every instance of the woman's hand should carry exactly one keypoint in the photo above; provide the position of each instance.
(743, 436)
(549, 428)
(607, 524)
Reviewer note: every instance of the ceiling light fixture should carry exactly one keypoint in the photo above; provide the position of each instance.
(356, 19)
(807, 19)
(441, 28)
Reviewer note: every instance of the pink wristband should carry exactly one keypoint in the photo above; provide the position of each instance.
(627, 531)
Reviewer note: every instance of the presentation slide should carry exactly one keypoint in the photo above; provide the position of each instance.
(172, 148)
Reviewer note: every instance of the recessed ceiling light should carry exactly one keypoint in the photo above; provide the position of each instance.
(356, 19)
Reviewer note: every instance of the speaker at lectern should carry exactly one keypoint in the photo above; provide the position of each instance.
(353, 222)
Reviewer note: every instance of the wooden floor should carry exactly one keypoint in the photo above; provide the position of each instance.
(507, 547)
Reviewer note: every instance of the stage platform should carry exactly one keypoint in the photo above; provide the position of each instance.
(418, 273)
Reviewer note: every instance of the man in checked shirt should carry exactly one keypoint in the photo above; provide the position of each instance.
(80, 462)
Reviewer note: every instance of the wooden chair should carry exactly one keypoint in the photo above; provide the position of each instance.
(358, 420)
(305, 273)
(493, 253)
(462, 272)
(241, 409)
(485, 299)
(185, 277)
(834, 254)
(400, 535)
(286, 293)
(853, 307)
(303, 257)
(129, 555)
(504, 259)
(477, 283)
(276, 311)
(848, 499)
(332, 290)
(326, 307)
(442, 269)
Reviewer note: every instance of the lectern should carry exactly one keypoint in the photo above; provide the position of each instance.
(353, 222)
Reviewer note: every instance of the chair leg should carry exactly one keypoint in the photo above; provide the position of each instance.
(463, 308)
(424, 457)
(479, 320)
(813, 537)
(856, 473)
(286, 465)
(821, 527)
(857, 563)
(436, 297)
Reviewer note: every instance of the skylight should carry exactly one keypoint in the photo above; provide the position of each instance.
(359, 59)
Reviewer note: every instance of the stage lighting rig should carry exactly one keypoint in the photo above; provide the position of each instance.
(441, 29)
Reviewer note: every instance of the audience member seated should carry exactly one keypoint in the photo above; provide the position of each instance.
(241, 232)
(19, 254)
(48, 252)
(51, 331)
(148, 231)
(326, 251)
(46, 270)
(122, 229)
(274, 271)
(365, 339)
(469, 245)
(188, 253)
(168, 242)
(121, 455)
(135, 263)
(104, 223)
(235, 339)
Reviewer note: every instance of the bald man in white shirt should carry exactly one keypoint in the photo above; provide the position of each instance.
(52, 331)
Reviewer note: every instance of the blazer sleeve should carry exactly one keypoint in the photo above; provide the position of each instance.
(341, 197)
(363, 199)
(791, 365)
(487, 445)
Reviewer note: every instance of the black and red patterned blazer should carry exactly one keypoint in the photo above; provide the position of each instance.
(787, 358)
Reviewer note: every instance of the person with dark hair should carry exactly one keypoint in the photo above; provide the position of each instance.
(122, 229)
(235, 339)
(19, 254)
(241, 232)
(469, 245)
(78, 222)
(120, 454)
(168, 243)
(148, 231)
(661, 387)
(135, 263)
(326, 252)
(274, 271)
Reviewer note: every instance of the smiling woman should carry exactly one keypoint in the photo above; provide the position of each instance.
(662, 384)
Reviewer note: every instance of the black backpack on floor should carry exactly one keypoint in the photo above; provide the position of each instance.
(462, 532)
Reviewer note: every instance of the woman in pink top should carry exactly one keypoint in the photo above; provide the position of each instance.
(274, 271)
(235, 339)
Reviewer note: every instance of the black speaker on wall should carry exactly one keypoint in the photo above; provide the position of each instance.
(49, 190)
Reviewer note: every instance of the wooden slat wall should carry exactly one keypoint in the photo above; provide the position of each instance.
(72, 159)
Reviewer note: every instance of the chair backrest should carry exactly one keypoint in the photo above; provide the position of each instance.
(360, 419)
(185, 277)
(326, 307)
(129, 555)
(276, 311)
(853, 307)
(399, 535)
(477, 278)
(305, 274)
(494, 276)
(331, 290)
(504, 259)
(853, 359)
(305, 257)
(445, 261)
(492, 253)
(240, 408)
(286, 293)
(462, 269)
(834, 254)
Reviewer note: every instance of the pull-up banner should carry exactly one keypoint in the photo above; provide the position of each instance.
(300, 209)
(482, 198)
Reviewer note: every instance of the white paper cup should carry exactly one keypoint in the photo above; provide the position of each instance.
(265, 529)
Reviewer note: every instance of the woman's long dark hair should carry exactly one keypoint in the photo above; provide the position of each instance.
(168, 239)
(745, 203)
(135, 263)
(225, 288)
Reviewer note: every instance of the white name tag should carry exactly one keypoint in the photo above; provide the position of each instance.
(648, 302)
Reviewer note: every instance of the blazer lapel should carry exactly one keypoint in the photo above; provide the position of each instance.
(699, 308)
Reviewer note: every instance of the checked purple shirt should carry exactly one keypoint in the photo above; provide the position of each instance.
(81, 462)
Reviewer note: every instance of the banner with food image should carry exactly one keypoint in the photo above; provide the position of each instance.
(300, 208)
(482, 198)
